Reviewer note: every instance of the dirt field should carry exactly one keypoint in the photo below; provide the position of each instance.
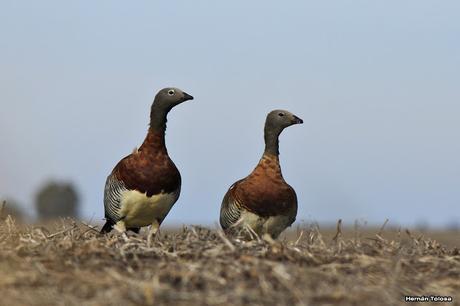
(69, 263)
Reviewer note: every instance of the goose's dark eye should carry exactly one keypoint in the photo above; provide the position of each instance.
(171, 92)
(281, 114)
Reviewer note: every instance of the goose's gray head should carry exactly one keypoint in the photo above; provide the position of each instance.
(278, 120)
(169, 97)
(164, 101)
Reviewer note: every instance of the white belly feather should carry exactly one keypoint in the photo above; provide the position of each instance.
(254, 221)
(273, 225)
(140, 210)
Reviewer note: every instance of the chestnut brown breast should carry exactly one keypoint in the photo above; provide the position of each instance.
(265, 192)
(149, 170)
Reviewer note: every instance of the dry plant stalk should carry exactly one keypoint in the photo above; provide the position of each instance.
(2, 209)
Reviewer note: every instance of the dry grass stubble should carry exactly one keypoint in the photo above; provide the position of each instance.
(69, 263)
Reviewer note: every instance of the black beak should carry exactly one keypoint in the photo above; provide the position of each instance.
(297, 120)
(187, 97)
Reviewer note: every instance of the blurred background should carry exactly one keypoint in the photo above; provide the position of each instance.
(376, 82)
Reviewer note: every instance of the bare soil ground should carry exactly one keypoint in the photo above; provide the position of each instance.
(69, 263)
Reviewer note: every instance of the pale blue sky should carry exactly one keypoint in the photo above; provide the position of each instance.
(376, 82)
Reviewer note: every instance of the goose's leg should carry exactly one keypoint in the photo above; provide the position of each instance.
(121, 228)
(152, 232)
(252, 232)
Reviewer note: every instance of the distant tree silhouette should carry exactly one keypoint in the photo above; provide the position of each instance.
(57, 200)
(11, 208)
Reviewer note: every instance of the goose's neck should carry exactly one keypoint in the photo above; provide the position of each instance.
(271, 137)
(158, 118)
(154, 142)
